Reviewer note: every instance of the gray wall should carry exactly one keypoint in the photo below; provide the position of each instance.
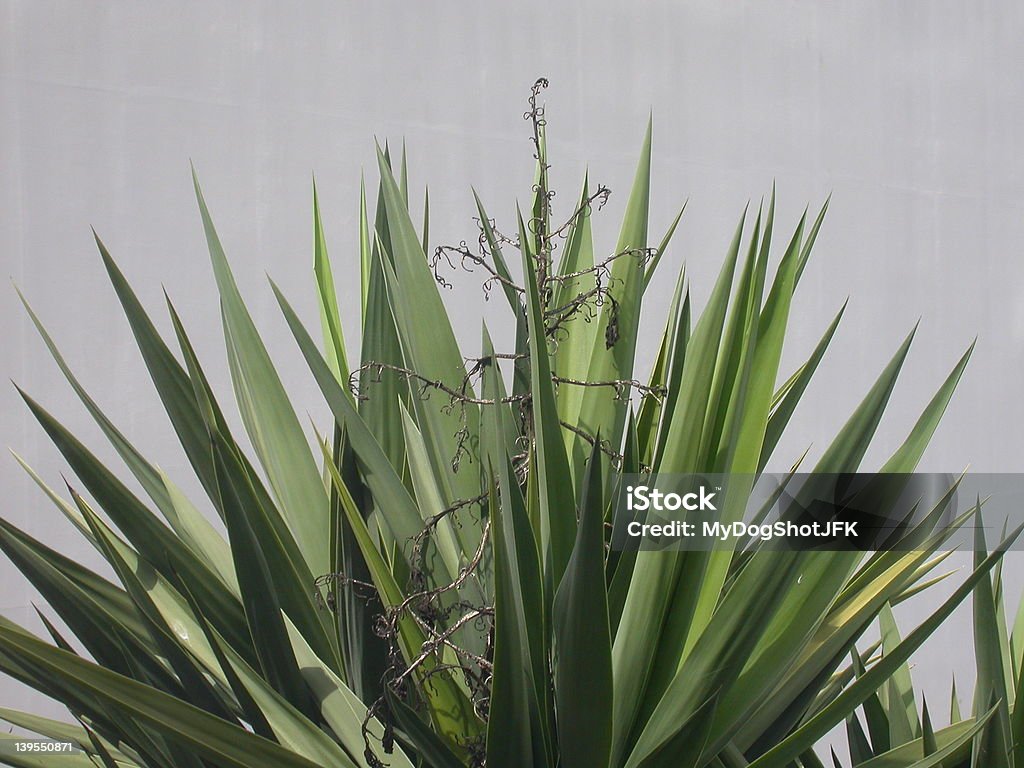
(909, 113)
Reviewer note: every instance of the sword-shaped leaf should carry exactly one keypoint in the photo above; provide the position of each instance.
(583, 652)
(268, 414)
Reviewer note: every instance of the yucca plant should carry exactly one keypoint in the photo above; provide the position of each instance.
(432, 584)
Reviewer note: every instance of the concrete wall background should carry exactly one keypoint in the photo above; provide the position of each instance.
(908, 113)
